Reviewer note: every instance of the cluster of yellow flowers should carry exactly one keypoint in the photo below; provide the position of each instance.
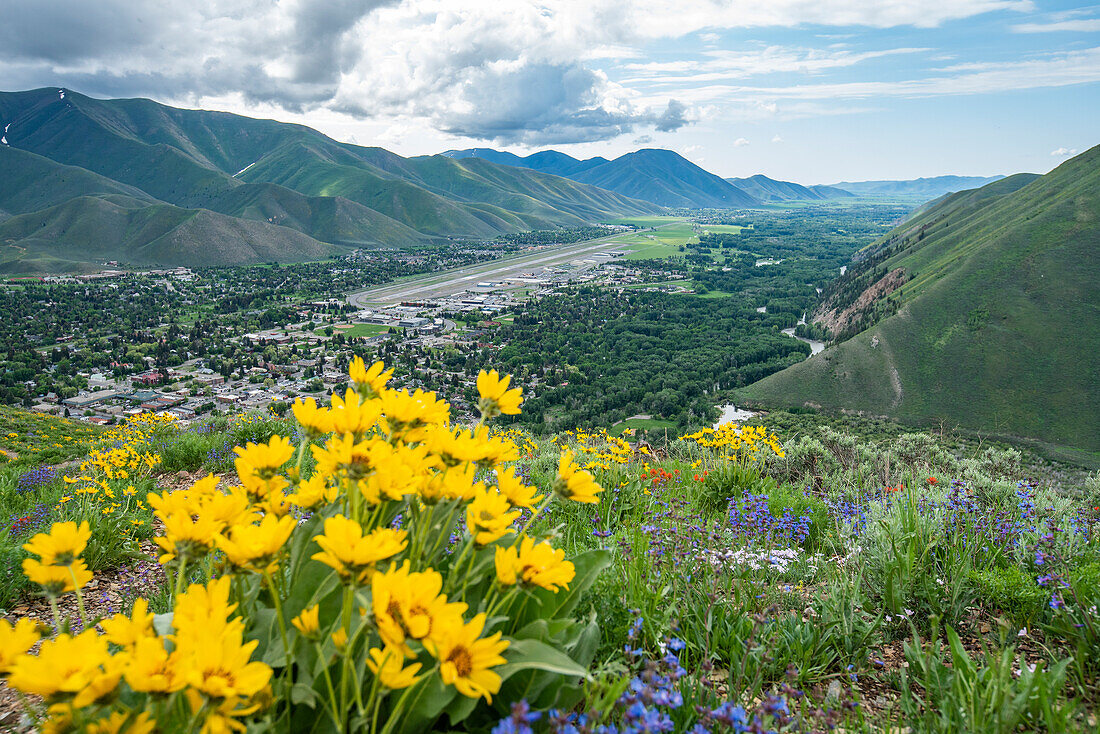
(603, 449)
(106, 479)
(401, 557)
(736, 441)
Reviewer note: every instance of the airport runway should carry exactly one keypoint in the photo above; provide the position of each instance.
(457, 280)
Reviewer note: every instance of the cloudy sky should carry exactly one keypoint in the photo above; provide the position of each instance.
(814, 91)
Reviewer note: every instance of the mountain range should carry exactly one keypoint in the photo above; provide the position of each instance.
(922, 189)
(667, 178)
(980, 311)
(661, 176)
(88, 180)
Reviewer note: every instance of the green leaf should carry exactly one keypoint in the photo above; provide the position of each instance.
(535, 655)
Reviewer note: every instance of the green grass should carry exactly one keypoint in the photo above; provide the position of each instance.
(362, 330)
(646, 221)
(642, 424)
(30, 439)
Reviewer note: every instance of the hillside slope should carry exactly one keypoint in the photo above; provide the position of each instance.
(995, 325)
(92, 229)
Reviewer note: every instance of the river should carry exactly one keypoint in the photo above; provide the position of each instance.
(815, 346)
(733, 414)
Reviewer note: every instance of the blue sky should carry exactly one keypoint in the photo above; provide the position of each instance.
(814, 91)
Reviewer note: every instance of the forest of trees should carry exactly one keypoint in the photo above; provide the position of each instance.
(601, 356)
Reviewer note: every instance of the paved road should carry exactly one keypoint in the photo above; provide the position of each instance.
(457, 280)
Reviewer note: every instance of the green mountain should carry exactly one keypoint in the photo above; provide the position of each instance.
(31, 182)
(981, 311)
(660, 176)
(771, 191)
(282, 175)
(92, 229)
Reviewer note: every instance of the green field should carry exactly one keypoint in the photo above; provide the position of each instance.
(646, 221)
(642, 424)
(358, 330)
(723, 228)
(664, 242)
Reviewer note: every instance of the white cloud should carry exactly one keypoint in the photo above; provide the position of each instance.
(1051, 70)
(728, 64)
(740, 143)
(777, 139)
(520, 71)
(1063, 152)
(1089, 25)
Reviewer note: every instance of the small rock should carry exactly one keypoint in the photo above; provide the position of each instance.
(834, 690)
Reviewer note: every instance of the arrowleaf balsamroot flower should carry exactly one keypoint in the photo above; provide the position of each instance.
(64, 666)
(313, 492)
(388, 665)
(15, 641)
(515, 491)
(370, 382)
(351, 414)
(317, 421)
(574, 483)
(150, 668)
(352, 554)
(126, 631)
(308, 622)
(257, 464)
(496, 398)
(489, 516)
(254, 547)
(410, 605)
(56, 580)
(534, 565)
(61, 545)
(465, 658)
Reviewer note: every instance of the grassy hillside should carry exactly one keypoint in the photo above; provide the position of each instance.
(996, 322)
(31, 182)
(91, 229)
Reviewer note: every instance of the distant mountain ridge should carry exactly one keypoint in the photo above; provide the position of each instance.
(286, 177)
(663, 177)
(980, 311)
(924, 189)
(769, 190)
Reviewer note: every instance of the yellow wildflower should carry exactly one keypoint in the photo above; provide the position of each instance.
(465, 658)
(62, 544)
(496, 398)
(370, 382)
(352, 554)
(388, 666)
(254, 547)
(64, 666)
(127, 630)
(410, 605)
(534, 565)
(489, 516)
(56, 580)
(16, 640)
(516, 492)
(316, 421)
(308, 622)
(574, 483)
